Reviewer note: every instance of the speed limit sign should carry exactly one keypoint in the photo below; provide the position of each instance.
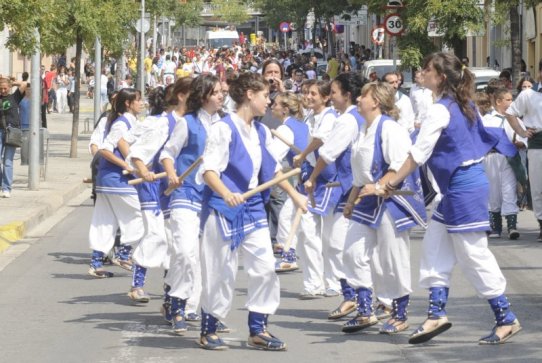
(394, 24)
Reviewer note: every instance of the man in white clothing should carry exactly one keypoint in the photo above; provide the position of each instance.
(421, 99)
(402, 101)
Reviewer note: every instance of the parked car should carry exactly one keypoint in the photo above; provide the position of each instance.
(482, 75)
(383, 66)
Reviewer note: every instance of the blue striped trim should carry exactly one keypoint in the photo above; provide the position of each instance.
(184, 203)
(415, 215)
(228, 233)
(149, 206)
(113, 190)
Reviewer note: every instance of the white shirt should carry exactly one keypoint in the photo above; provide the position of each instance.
(421, 99)
(279, 148)
(179, 136)
(495, 119)
(395, 146)
(97, 137)
(344, 133)
(151, 140)
(528, 105)
(119, 130)
(320, 126)
(406, 114)
(169, 67)
(217, 151)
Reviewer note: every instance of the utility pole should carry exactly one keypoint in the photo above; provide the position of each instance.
(97, 78)
(35, 115)
(141, 68)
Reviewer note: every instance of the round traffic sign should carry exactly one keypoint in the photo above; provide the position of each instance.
(377, 35)
(146, 25)
(394, 24)
(284, 27)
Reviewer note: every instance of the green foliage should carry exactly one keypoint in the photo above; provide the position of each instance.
(187, 14)
(231, 11)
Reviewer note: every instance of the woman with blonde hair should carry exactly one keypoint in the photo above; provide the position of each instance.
(377, 247)
(288, 108)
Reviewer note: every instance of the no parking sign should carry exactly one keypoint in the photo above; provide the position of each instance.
(284, 27)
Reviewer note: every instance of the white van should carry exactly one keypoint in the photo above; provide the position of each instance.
(220, 38)
(383, 66)
(482, 75)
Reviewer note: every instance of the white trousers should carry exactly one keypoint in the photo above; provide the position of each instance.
(167, 257)
(378, 257)
(151, 252)
(535, 177)
(61, 99)
(441, 251)
(184, 275)
(113, 211)
(286, 216)
(333, 241)
(502, 185)
(219, 268)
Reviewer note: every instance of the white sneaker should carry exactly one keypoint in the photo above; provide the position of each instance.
(331, 292)
(311, 295)
(6, 194)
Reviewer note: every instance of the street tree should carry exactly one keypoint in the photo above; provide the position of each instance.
(63, 23)
(505, 13)
(231, 11)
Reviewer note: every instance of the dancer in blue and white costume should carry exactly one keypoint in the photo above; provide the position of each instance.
(502, 179)
(184, 147)
(336, 151)
(453, 142)
(238, 158)
(315, 227)
(288, 108)
(377, 247)
(117, 204)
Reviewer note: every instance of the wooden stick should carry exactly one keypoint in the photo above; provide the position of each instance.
(141, 180)
(87, 180)
(281, 138)
(186, 173)
(293, 229)
(393, 192)
(270, 183)
(333, 184)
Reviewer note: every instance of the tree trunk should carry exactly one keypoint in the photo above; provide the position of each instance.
(515, 44)
(77, 94)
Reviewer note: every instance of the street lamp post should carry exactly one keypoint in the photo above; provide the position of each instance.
(141, 68)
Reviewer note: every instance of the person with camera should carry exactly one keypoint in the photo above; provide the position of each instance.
(10, 130)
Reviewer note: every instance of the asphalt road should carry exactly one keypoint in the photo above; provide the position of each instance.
(52, 311)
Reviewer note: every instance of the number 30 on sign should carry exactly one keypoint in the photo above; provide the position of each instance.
(394, 24)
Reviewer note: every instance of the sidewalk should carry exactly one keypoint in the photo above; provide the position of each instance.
(26, 209)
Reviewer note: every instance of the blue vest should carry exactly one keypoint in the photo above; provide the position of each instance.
(110, 179)
(344, 167)
(149, 193)
(189, 193)
(459, 142)
(406, 211)
(504, 146)
(163, 183)
(325, 198)
(237, 222)
(301, 137)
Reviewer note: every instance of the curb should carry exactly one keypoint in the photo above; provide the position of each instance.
(15, 231)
